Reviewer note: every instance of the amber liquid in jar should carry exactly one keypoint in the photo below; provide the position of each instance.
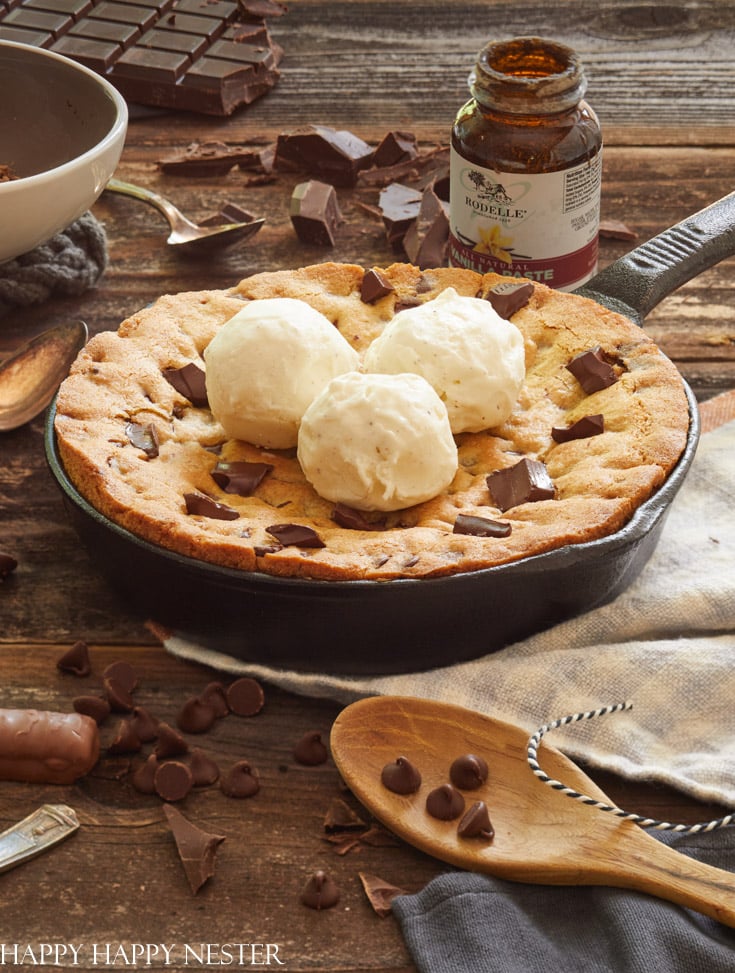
(526, 167)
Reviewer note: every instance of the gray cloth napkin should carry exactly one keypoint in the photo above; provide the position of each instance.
(468, 923)
(667, 644)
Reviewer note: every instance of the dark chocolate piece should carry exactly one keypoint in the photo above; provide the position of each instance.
(315, 213)
(126, 740)
(380, 893)
(144, 774)
(94, 706)
(144, 438)
(592, 370)
(355, 519)
(195, 716)
(509, 297)
(146, 725)
(199, 504)
(337, 156)
(170, 743)
(401, 776)
(173, 780)
(197, 849)
(76, 660)
(581, 429)
(189, 381)
(427, 237)
(480, 526)
(240, 781)
(240, 477)
(40, 747)
(310, 749)
(444, 802)
(245, 697)
(395, 147)
(475, 822)
(468, 772)
(320, 892)
(399, 206)
(374, 286)
(295, 535)
(8, 564)
(204, 770)
(526, 482)
(206, 159)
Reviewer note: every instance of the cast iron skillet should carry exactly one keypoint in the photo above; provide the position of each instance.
(374, 627)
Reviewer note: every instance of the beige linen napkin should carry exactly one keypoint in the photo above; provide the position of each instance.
(667, 644)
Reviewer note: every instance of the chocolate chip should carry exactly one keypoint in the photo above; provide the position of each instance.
(240, 781)
(509, 297)
(94, 706)
(320, 892)
(199, 504)
(8, 564)
(196, 848)
(145, 724)
(526, 482)
(374, 286)
(445, 803)
(119, 698)
(592, 370)
(144, 438)
(315, 213)
(195, 716)
(215, 696)
(475, 822)
(353, 519)
(468, 772)
(204, 770)
(401, 776)
(295, 535)
(126, 740)
(480, 526)
(76, 660)
(173, 780)
(123, 675)
(245, 697)
(143, 776)
(189, 381)
(310, 749)
(581, 429)
(170, 742)
(241, 478)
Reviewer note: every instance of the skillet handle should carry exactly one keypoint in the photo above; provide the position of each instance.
(641, 279)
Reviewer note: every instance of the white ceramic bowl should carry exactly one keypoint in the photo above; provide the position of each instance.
(62, 130)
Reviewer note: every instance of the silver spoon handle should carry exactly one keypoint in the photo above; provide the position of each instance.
(38, 832)
(163, 205)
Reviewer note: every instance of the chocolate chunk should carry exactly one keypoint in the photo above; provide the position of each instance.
(480, 526)
(170, 743)
(76, 660)
(245, 697)
(468, 772)
(315, 213)
(240, 781)
(617, 230)
(144, 438)
(592, 370)
(374, 286)
(355, 519)
(8, 564)
(395, 147)
(526, 482)
(189, 381)
(197, 849)
(240, 477)
(228, 213)
(445, 803)
(145, 724)
(475, 822)
(126, 740)
(173, 780)
(123, 675)
(200, 505)
(581, 429)
(320, 892)
(94, 706)
(204, 770)
(401, 776)
(509, 297)
(427, 237)
(210, 158)
(380, 893)
(144, 774)
(310, 749)
(295, 535)
(399, 206)
(215, 696)
(337, 156)
(195, 716)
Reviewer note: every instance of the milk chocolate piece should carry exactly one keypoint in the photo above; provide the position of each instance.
(400, 206)
(144, 438)
(444, 802)
(242, 478)
(200, 505)
(76, 660)
(195, 716)
(189, 381)
(240, 781)
(475, 822)
(43, 747)
(581, 429)
(374, 286)
(592, 370)
(310, 749)
(295, 534)
(197, 849)
(380, 893)
(123, 675)
(94, 706)
(215, 695)
(173, 780)
(426, 239)
(170, 742)
(245, 697)
(126, 740)
(145, 724)
(526, 482)
(204, 770)
(395, 147)
(8, 564)
(509, 297)
(143, 776)
(336, 156)
(401, 776)
(480, 526)
(118, 696)
(315, 213)
(468, 772)
(320, 892)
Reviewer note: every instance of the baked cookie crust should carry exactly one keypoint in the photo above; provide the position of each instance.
(134, 446)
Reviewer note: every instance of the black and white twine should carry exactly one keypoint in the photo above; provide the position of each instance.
(532, 754)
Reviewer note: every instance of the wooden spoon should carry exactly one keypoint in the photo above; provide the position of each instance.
(541, 835)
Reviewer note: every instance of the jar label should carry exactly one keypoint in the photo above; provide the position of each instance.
(540, 226)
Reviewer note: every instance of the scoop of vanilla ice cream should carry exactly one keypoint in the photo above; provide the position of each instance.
(266, 364)
(377, 442)
(473, 358)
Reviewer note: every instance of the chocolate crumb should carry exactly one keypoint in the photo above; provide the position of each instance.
(320, 892)
(75, 660)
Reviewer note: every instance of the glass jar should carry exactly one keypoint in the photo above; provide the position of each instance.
(526, 167)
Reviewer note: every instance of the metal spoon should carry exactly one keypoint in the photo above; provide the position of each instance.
(186, 235)
(540, 834)
(30, 375)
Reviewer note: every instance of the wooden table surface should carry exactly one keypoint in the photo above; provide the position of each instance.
(662, 79)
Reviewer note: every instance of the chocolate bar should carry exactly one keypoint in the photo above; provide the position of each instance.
(41, 747)
(209, 56)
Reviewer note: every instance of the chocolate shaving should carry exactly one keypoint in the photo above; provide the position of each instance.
(480, 526)
(380, 893)
(526, 482)
(189, 381)
(581, 429)
(144, 438)
(592, 370)
(295, 535)
(199, 504)
(76, 660)
(197, 849)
